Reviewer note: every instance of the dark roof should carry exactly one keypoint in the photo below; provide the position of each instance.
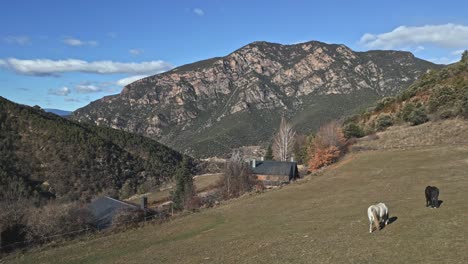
(104, 209)
(270, 167)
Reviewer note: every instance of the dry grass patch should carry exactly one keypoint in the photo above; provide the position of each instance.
(439, 133)
(202, 183)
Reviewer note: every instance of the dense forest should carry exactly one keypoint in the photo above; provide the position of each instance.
(43, 156)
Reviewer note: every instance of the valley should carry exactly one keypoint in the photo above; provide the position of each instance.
(320, 219)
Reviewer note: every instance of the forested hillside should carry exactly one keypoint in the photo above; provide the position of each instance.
(44, 155)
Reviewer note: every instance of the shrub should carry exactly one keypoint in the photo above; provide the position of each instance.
(53, 219)
(328, 146)
(418, 116)
(406, 111)
(384, 103)
(442, 96)
(351, 130)
(464, 104)
(446, 113)
(237, 178)
(383, 122)
(125, 218)
(12, 224)
(324, 157)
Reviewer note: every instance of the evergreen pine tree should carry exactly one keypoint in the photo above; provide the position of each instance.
(184, 185)
(465, 56)
(269, 153)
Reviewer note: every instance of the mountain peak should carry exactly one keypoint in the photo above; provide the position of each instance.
(207, 107)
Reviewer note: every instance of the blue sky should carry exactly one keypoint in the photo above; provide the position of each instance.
(65, 54)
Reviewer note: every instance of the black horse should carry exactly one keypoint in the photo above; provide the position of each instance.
(432, 196)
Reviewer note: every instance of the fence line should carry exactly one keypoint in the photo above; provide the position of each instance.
(42, 239)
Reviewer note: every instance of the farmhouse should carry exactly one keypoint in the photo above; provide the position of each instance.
(105, 208)
(275, 172)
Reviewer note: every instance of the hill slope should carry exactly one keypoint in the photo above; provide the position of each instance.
(321, 220)
(208, 107)
(44, 154)
(438, 94)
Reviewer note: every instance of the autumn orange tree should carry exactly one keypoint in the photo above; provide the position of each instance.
(327, 146)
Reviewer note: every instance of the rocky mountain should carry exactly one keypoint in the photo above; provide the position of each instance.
(208, 107)
(44, 155)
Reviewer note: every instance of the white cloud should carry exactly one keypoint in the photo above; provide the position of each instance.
(129, 80)
(444, 60)
(198, 11)
(64, 91)
(74, 100)
(20, 40)
(136, 52)
(77, 43)
(444, 36)
(46, 67)
(87, 88)
(298, 42)
(419, 48)
(457, 52)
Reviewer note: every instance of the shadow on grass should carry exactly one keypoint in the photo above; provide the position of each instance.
(390, 221)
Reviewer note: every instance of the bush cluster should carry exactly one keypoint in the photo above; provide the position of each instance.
(353, 130)
(383, 121)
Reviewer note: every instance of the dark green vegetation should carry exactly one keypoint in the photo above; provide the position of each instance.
(321, 220)
(43, 155)
(352, 130)
(184, 187)
(209, 107)
(257, 126)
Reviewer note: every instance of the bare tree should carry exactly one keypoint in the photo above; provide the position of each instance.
(237, 176)
(329, 135)
(283, 141)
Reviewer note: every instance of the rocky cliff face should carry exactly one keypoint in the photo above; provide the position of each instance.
(208, 107)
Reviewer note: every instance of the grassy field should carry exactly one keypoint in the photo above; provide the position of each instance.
(202, 183)
(322, 219)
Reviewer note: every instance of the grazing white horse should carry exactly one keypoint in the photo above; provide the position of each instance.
(377, 213)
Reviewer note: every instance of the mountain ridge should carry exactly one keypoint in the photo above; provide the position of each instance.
(194, 105)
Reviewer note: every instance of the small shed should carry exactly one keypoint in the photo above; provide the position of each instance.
(275, 172)
(105, 208)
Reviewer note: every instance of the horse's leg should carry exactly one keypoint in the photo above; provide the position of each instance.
(371, 223)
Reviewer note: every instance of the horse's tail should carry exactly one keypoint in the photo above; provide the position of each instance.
(376, 220)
